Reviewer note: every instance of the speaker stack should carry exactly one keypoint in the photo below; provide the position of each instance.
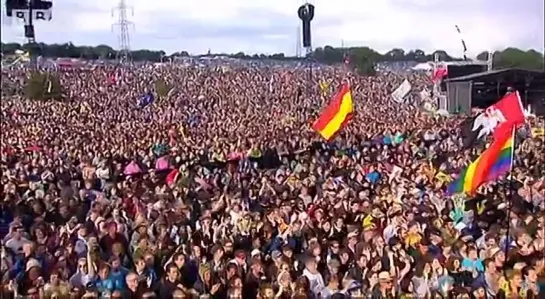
(306, 14)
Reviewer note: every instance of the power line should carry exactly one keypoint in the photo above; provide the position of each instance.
(123, 26)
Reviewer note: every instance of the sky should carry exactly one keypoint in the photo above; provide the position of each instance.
(272, 26)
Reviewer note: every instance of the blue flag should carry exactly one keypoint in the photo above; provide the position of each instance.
(145, 100)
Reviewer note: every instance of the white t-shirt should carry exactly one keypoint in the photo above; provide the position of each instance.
(80, 279)
(316, 281)
(16, 246)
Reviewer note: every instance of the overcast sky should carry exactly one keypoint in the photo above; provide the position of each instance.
(270, 26)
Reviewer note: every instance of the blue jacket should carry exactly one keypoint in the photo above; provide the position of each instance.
(118, 278)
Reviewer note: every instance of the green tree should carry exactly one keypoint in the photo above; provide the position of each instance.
(516, 58)
(239, 55)
(180, 54)
(329, 55)
(43, 86)
(361, 58)
(395, 54)
(104, 51)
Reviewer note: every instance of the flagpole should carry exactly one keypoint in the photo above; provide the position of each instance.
(510, 193)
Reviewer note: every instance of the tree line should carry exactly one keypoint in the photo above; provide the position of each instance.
(362, 59)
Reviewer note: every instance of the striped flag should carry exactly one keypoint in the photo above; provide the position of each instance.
(336, 114)
(493, 162)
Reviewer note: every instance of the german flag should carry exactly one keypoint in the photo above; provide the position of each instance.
(336, 115)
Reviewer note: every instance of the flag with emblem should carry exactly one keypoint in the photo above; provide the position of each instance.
(498, 120)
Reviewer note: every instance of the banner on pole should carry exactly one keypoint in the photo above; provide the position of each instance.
(401, 92)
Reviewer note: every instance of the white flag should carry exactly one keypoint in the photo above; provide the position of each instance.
(401, 92)
(271, 82)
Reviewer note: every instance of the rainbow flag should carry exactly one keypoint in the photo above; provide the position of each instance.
(336, 114)
(493, 162)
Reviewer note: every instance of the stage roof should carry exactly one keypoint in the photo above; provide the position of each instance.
(503, 75)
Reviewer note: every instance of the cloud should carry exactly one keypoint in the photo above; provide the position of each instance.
(258, 26)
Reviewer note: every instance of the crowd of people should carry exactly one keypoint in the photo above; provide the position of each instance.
(221, 189)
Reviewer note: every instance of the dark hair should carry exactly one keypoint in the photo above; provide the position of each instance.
(419, 269)
(231, 266)
(171, 266)
(177, 255)
(231, 282)
(526, 270)
(450, 263)
(302, 282)
(488, 261)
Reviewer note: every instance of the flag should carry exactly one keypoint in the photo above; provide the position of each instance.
(497, 119)
(271, 84)
(493, 162)
(439, 73)
(401, 92)
(162, 164)
(469, 136)
(112, 79)
(368, 221)
(323, 87)
(336, 115)
(172, 177)
(25, 57)
(146, 100)
(346, 59)
(132, 169)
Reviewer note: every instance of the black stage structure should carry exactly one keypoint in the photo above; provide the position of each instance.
(456, 69)
(481, 90)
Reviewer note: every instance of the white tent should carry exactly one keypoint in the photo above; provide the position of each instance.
(423, 67)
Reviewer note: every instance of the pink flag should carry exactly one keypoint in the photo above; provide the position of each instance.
(233, 156)
(162, 164)
(132, 169)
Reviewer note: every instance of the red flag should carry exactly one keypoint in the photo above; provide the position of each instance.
(113, 79)
(346, 59)
(172, 177)
(501, 117)
(336, 114)
(33, 148)
(439, 73)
